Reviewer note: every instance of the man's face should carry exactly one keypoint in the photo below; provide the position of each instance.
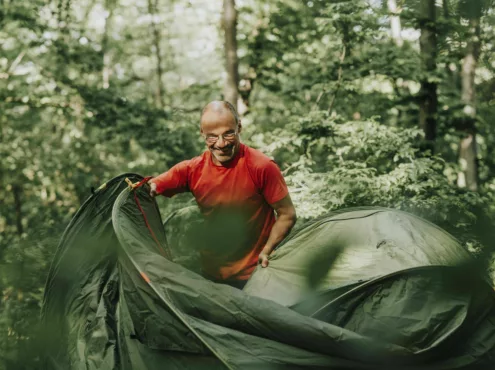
(221, 135)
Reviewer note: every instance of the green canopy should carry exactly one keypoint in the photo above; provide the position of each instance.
(361, 289)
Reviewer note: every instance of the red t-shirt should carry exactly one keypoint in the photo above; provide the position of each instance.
(235, 200)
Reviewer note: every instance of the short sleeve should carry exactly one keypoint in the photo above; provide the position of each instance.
(273, 186)
(174, 181)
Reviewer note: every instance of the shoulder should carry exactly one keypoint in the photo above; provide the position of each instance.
(256, 159)
(266, 176)
(188, 167)
(193, 163)
(198, 161)
(263, 169)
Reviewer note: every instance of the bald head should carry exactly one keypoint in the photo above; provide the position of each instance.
(221, 126)
(220, 108)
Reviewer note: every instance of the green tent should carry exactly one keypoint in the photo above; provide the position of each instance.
(362, 289)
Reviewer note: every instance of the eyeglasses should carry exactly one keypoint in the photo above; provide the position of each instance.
(228, 136)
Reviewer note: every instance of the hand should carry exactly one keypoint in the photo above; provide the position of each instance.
(153, 192)
(263, 259)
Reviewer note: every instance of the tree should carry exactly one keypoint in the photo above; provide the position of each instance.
(395, 26)
(160, 90)
(229, 22)
(428, 94)
(468, 158)
(90, 89)
(107, 54)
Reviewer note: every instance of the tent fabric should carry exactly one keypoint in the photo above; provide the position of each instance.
(369, 243)
(361, 289)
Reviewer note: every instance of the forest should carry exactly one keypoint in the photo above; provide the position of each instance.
(361, 103)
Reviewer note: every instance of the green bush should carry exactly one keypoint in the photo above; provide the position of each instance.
(333, 164)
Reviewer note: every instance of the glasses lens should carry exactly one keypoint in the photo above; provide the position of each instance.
(227, 136)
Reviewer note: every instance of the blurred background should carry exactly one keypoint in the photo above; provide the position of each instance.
(364, 102)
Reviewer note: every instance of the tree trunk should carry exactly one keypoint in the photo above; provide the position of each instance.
(428, 93)
(468, 177)
(395, 22)
(107, 54)
(229, 23)
(160, 90)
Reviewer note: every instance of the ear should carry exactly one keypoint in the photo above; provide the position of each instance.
(239, 126)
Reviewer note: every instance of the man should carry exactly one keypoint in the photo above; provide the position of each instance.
(238, 190)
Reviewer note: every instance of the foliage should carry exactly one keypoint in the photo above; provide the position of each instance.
(334, 164)
(326, 92)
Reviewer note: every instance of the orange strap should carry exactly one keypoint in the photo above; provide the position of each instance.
(137, 184)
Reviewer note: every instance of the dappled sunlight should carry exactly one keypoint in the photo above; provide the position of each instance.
(376, 103)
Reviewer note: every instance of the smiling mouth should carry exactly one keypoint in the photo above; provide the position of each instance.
(225, 151)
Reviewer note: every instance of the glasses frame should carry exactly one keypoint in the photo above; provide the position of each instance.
(214, 138)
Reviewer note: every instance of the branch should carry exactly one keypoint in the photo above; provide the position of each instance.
(16, 62)
(13, 66)
(323, 92)
(186, 110)
(339, 80)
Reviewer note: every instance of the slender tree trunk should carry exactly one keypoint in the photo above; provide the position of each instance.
(107, 54)
(17, 192)
(468, 177)
(160, 90)
(395, 26)
(229, 22)
(428, 93)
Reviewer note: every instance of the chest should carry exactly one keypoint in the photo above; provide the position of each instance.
(214, 187)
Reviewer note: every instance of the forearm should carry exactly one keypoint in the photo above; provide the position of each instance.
(161, 181)
(280, 230)
(173, 181)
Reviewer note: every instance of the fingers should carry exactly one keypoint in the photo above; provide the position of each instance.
(264, 261)
(152, 189)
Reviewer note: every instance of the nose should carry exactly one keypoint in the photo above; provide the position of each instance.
(221, 143)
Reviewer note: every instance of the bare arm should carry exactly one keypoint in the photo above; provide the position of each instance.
(171, 182)
(286, 218)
